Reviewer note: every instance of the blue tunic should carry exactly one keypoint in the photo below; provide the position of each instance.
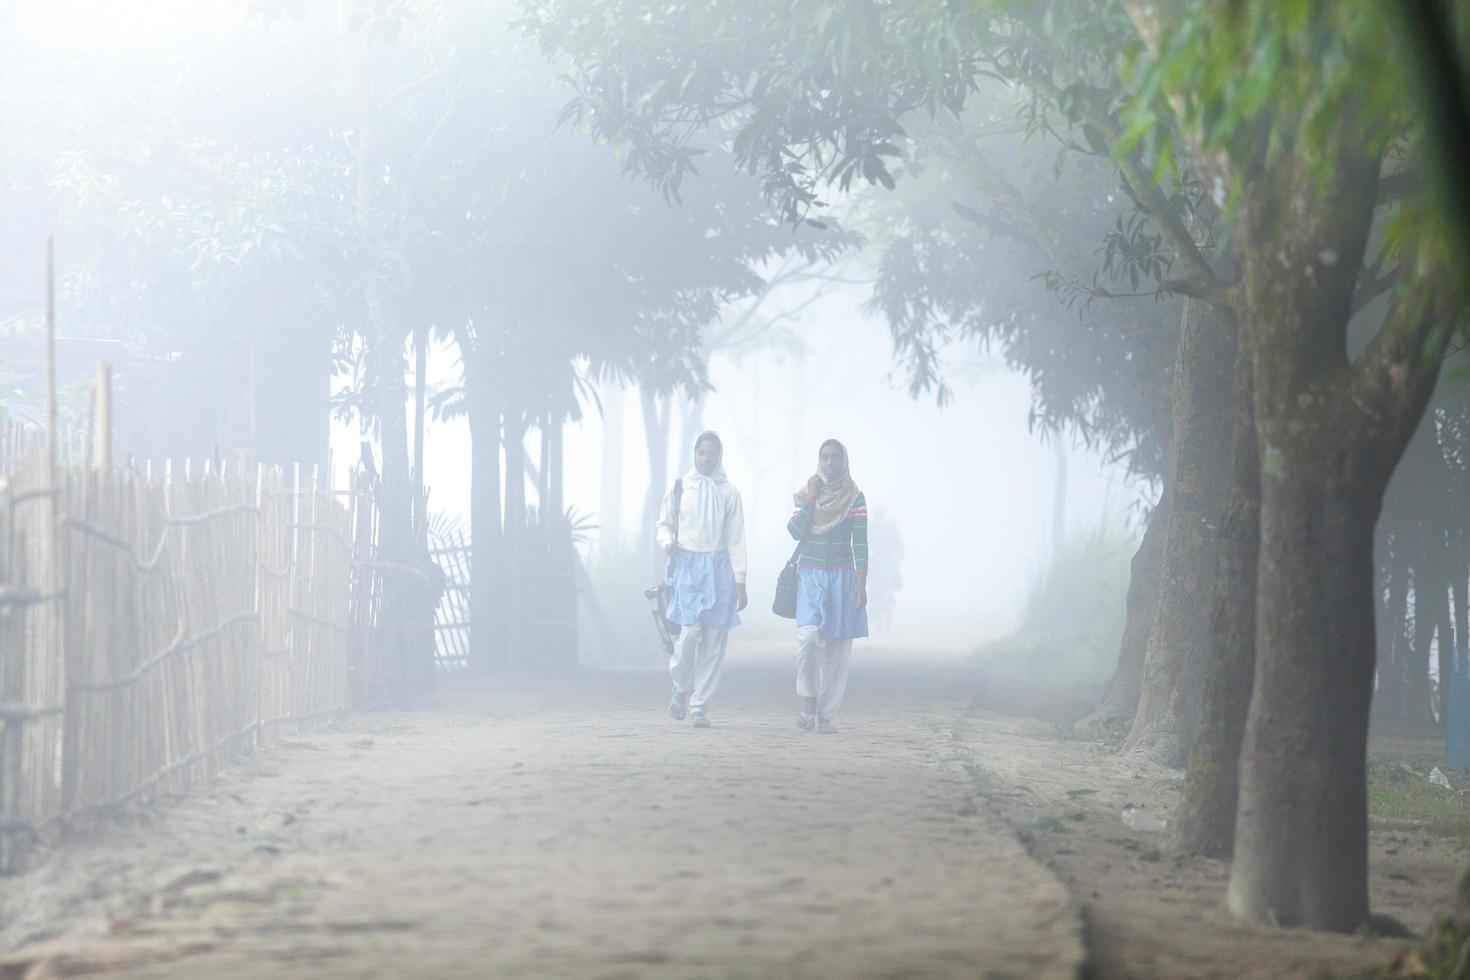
(703, 586)
(824, 600)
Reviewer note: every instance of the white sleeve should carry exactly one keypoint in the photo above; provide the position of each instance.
(735, 534)
(663, 531)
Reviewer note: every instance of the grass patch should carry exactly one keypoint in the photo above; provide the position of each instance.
(1401, 797)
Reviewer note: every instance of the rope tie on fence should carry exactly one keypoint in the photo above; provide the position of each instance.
(26, 496)
(331, 532)
(28, 597)
(311, 617)
(187, 520)
(179, 646)
(107, 538)
(18, 713)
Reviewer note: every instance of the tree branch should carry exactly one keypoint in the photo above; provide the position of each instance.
(1395, 375)
(1397, 185)
(1150, 198)
(1214, 167)
(1024, 222)
(1152, 201)
(1373, 285)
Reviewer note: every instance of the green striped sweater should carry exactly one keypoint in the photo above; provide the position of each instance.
(844, 546)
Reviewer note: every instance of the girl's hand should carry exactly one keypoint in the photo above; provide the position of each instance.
(812, 486)
(860, 594)
(672, 549)
(742, 598)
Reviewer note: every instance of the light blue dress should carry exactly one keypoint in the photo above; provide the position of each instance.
(703, 584)
(824, 600)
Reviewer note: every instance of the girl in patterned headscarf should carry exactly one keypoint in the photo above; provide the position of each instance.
(831, 522)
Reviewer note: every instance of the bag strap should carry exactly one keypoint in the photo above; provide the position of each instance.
(678, 493)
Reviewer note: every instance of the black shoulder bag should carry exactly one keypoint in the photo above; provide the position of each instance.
(785, 602)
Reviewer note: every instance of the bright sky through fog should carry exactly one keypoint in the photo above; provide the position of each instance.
(969, 487)
(79, 25)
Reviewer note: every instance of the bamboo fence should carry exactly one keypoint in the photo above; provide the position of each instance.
(452, 616)
(154, 626)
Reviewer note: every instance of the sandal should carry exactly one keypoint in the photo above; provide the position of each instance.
(676, 706)
(825, 727)
(699, 719)
(805, 722)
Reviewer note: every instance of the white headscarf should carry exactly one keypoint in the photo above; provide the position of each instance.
(702, 497)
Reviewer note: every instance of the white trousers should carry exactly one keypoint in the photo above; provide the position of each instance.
(697, 661)
(821, 669)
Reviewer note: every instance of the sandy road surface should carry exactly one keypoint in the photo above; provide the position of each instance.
(571, 829)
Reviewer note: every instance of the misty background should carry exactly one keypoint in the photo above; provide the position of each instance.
(196, 164)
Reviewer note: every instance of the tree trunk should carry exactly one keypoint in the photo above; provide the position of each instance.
(1390, 699)
(559, 633)
(487, 583)
(656, 437)
(1330, 434)
(692, 427)
(1120, 699)
(1420, 720)
(1059, 503)
(1302, 821)
(1206, 819)
(1199, 471)
(515, 565)
(610, 515)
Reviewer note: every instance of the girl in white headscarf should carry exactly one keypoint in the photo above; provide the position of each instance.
(706, 574)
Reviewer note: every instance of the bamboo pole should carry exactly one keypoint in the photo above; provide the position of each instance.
(104, 416)
(50, 363)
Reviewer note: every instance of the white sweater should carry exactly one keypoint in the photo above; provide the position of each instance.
(694, 537)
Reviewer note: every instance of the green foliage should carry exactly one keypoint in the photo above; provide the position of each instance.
(949, 274)
(1073, 618)
(818, 98)
(1250, 86)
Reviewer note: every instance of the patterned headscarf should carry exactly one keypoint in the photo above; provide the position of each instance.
(835, 497)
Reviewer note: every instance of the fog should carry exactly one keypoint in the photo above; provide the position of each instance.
(126, 156)
(1091, 447)
(970, 488)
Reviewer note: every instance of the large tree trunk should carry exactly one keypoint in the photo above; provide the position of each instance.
(1206, 819)
(1145, 572)
(516, 633)
(691, 429)
(1330, 434)
(1302, 821)
(656, 419)
(1199, 470)
(399, 615)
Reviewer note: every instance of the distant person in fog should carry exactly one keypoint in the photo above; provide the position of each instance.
(831, 522)
(701, 527)
(887, 579)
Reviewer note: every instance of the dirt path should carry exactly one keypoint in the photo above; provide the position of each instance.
(1156, 913)
(574, 830)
